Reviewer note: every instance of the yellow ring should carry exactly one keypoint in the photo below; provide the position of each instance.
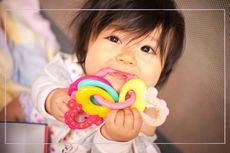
(83, 97)
(139, 87)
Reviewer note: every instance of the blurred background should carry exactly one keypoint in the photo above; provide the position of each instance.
(196, 92)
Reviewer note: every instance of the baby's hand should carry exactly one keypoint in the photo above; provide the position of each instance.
(56, 103)
(122, 125)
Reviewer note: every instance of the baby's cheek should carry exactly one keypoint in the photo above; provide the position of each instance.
(151, 81)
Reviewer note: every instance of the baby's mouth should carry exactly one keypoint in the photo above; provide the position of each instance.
(118, 75)
(115, 77)
(115, 73)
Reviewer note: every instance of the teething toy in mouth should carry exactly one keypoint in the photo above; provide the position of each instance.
(95, 96)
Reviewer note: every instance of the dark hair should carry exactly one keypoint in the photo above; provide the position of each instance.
(137, 17)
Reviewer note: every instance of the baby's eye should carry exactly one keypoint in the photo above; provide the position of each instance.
(148, 49)
(114, 39)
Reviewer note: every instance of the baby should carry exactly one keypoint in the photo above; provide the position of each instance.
(129, 38)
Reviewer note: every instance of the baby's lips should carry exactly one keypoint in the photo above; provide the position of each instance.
(105, 71)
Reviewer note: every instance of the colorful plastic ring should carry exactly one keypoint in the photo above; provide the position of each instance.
(139, 88)
(120, 105)
(83, 97)
(102, 85)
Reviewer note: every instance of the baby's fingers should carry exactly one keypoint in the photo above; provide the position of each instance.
(61, 118)
(62, 104)
(137, 119)
(129, 118)
(110, 118)
(63, 107)
(59, 115)
(65, 99)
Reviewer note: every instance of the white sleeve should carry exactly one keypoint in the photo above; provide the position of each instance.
(102, 145)
(142, 143)
(146, 144)
(55, 76)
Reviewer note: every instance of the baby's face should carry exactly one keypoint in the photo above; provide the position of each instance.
(115, 50)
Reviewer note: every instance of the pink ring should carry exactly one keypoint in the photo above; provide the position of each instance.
(73, 86)
(119, 105)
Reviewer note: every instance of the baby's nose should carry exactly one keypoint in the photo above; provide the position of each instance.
(126, 58)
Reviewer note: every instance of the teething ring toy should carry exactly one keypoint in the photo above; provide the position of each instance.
(95, 97)
(75, 109)
(139, 88)
(83, 97)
